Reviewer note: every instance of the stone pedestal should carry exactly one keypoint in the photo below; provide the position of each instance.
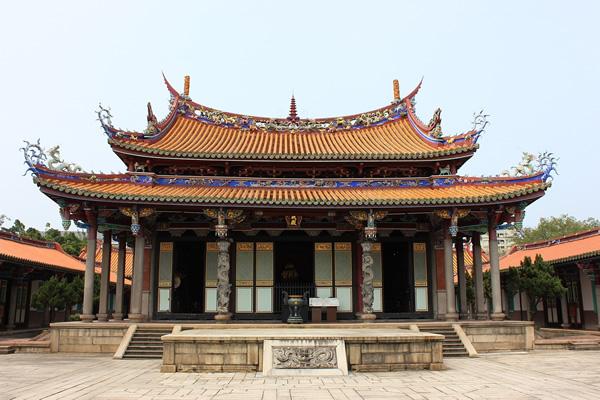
(366, 316)
(225, 317)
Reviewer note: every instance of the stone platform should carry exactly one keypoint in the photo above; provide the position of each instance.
(367, 349)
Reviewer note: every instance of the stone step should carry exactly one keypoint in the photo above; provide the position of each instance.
(7, 349)
(143, 356)
(452, 346)
(145, 347)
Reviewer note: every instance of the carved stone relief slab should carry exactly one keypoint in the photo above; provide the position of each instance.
(304, 357)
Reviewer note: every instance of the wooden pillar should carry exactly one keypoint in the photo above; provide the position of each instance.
(497, 314)
(87, 314)
(118, 314)
(105, 277)
(478, 276)
(12, 304)
(451, 314)
(135, 312)
(462, 279)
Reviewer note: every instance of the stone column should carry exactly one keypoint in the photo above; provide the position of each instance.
(118, 314)
(223, 285)
(451, 314)
(497, 314)
(105, 277)
(87, 314)
(367, 282)
(478, 276)
(462, 279)
(135, 313)
(12, 305)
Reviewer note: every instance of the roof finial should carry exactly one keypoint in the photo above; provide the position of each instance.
(396, 90)
(293, 115)
(186, 86)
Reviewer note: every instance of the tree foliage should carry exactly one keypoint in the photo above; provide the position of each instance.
(58, 293)
(538, 281)
(70, 242)
(554, 227)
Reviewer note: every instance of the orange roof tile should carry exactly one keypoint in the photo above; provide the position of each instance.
(41, 254)
(192, 139)
(114, 258)
(559, 250)
(37, 253)
(403, 192)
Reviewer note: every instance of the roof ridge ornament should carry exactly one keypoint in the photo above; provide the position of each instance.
(186, 89)
(546, 163)
(34, 155)
(479, 123)
(293, 115)
(397, 98)
(104, 116)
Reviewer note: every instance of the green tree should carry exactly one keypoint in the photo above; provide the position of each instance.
(470, 288)
(538, 281)
(18, 228)
(57, 293)
(50, 295)
(487, 284)
(553, 227)
(73, 295)
(70, 242)
(512, 281)
(33, 233)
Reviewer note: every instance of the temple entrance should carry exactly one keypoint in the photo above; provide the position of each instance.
(396, 265)
(294, 262)
(294, 272)
(188, 276)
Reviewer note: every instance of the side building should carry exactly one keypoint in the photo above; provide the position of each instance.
(576, 260)
(225, 212)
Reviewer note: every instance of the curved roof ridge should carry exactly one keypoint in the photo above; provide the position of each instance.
(557, 240)
(321, 119)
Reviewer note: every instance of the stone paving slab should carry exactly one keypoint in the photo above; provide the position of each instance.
(546, 374)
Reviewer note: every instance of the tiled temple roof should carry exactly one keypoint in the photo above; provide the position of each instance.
(41, 254)
(192, 131)
(564, 249)
(146, 188)
(114, 258)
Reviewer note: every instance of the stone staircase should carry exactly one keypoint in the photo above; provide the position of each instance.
(146, 343)
(452, 345)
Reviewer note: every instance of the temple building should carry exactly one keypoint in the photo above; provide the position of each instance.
(225, 212)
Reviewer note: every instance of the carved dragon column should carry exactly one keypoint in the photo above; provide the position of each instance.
(367, 282)
(223, 285)
(370, 234)
(223, 266)
(87, 314)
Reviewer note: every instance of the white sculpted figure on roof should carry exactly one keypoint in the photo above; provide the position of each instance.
(58, 164)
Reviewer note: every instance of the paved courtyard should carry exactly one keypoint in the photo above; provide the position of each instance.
(560, 374)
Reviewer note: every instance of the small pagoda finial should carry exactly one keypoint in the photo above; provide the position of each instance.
(293, 115)
(396, 90)
(186, 86)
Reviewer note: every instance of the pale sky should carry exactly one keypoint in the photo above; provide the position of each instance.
(531, 65)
